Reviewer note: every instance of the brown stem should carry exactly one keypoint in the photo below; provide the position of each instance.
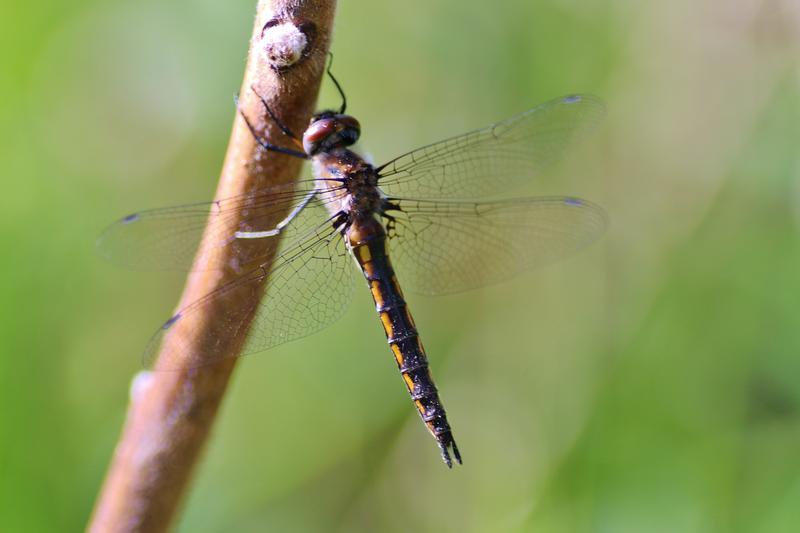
(170, 413)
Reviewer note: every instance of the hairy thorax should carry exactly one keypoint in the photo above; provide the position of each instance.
(347, 184)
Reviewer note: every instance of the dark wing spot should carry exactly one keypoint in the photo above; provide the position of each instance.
(572, 99)
(130, 218)
(573, 201)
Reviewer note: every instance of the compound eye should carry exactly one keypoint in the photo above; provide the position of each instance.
(349, 129)
(349, 122)
(316, 133)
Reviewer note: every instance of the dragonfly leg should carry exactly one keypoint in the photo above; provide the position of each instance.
(341, 221)
(284, 128)
(280, 225)
(391, 221)
(263, 142)
(343, 107)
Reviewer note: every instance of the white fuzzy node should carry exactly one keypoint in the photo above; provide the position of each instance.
(283, 45)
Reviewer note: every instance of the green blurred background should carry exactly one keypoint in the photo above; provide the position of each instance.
(648, 384)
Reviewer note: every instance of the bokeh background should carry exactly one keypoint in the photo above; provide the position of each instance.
(647, 384)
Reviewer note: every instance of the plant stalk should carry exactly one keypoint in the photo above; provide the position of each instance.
(170, 414)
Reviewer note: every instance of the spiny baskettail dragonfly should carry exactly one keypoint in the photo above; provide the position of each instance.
(433, 208)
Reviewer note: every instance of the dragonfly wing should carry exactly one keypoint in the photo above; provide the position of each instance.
(168, 238)
(505, 154)
(307, 288)
(442, 247)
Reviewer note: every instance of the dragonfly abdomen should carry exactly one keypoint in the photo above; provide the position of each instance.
(367, 241)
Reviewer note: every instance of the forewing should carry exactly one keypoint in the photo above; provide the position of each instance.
(168, 238)
(487, 161)
(308, 287)
(443, 247)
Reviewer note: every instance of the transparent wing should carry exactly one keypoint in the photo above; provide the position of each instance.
(443, 247)
(308, 287)
(168, 238)
(503, 155)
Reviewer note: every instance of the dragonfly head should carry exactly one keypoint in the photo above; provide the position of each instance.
(329, 130)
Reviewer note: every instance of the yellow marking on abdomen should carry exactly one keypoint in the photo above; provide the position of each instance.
(386, 320)
(364, 254)
(398, 354)
(377, 294)
(369, 269)
(409, 382)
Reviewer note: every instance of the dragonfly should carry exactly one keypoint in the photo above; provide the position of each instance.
(436, 211)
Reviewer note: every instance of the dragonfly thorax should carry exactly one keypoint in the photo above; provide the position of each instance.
(345, 176)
